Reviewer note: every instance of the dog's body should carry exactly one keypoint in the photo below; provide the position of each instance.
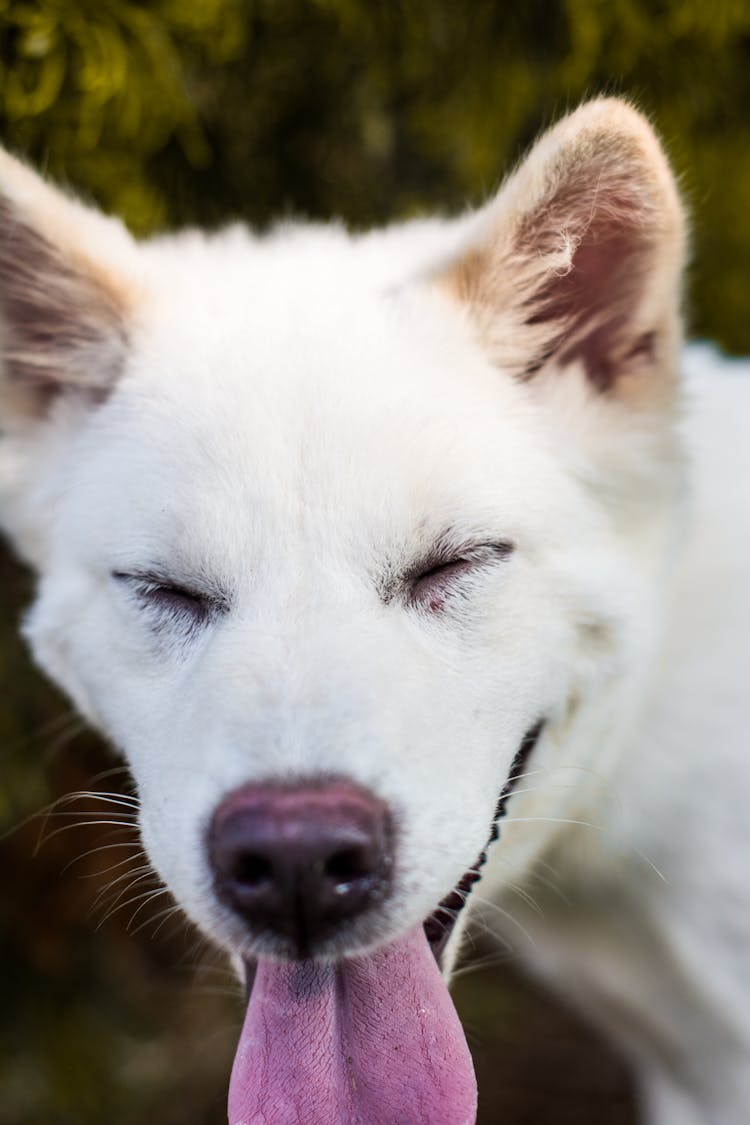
(645, 923)
(320, 515)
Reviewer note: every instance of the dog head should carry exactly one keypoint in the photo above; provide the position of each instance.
(325, 525)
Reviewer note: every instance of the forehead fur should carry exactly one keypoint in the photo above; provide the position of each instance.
(243, 379)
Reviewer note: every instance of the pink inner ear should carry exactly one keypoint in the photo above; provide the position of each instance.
(64, 326)
(592, 307)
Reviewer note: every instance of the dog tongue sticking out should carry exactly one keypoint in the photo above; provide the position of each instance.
(374, 1040)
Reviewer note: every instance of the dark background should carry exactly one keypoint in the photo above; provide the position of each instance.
(197, 112)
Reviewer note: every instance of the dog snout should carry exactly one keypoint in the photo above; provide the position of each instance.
(298, 861)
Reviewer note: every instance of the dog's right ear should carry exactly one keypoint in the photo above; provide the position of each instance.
(65, 298)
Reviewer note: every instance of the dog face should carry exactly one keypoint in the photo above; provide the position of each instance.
(326, 511)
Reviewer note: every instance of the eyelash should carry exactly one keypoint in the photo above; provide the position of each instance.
(171, 600)
(430, 584)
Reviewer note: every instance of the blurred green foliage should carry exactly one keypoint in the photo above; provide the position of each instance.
(171, 112)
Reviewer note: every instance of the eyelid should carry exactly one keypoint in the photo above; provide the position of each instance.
(153, 580)
(446, 556)
(146, 583)
(457, 563)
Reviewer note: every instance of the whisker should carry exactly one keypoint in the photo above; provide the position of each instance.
(526, 897)
(605, 782)
(201, 955)
(551, 885)
(123, 823)
(55, 809)
(135, 876)
(113, 771)
(165, 915)
(147, 898)
(490, 961)
(151, 893)
(133, 845)
(651, 864)
(215, 972)
(125, 799)
(552, 820)
(493, 906)
(582, 824)
(48, 812)
(545, 787)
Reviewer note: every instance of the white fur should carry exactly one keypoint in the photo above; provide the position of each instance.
(301, 415)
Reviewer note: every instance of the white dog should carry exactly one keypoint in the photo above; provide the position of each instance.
(341, 538)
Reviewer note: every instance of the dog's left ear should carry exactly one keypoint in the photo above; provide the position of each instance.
(69, 288)
(578, 260)
(66, 297)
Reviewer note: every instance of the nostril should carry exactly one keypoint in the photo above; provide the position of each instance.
(252, 870)
(347, 866)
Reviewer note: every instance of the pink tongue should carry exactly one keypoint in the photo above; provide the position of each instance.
(373, 1040)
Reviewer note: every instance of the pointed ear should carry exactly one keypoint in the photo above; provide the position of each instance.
(65, 298)
(579, 258)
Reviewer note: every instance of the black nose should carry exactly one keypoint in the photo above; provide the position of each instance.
(296, 861)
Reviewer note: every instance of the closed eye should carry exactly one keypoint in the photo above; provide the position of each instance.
(430, 584)
(169, 601)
